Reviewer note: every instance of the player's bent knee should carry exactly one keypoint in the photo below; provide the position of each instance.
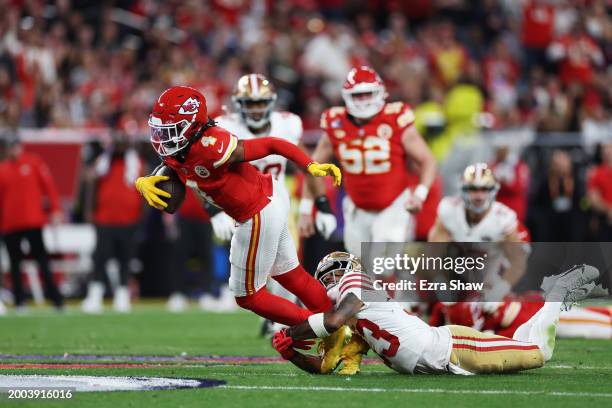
(247, 302)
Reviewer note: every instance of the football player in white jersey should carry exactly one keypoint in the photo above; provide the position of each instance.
(254, 116)
(475, 216)
(253, 99)
(408, 345)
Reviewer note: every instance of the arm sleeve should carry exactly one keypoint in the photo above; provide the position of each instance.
(259, 148)
(48, 185)
(355, 283)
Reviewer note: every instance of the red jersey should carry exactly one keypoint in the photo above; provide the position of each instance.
(514, 186)
(372, 156)
(117, 200)
(24, 183)
(538, 25)
(239, 189)
(578, 56)
(509, 315)
(599, 180)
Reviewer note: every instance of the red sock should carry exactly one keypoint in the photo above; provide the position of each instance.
(273, 307)
(306, 288)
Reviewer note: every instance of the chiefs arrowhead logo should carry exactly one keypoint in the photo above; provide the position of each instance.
(189, 107)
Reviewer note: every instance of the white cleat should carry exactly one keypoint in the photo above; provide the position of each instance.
(570, 286)
(121, 300)
(177, 302)
(92, 303)
(2, 309)
(573, 278)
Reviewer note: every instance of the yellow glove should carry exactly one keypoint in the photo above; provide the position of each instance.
(326, 169)
(146, 187)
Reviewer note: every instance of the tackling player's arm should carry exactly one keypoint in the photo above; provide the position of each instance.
(323, 324)
(416, 148)
(318, 325)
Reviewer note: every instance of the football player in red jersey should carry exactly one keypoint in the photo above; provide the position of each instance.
(372, 140)
(214, 163)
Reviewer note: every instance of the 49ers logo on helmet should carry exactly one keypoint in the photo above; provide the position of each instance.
(189, 107)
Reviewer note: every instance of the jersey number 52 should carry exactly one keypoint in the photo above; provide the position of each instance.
(366, 156)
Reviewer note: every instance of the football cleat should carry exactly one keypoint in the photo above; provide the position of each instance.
(177, 302)
(352, 354)
(121, 300)
(330, 348)
(570, 286)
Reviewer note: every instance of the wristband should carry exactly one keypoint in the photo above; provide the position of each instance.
(322, 204)
(306, 205)
(212, 210)
(421, 192)
(316, 324)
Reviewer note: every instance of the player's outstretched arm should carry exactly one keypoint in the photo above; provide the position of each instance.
(286, 347)
(323, 324)
(254, 149)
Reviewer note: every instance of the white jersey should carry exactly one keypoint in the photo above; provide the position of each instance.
(404, 342)
(284, 125)
(497, 224)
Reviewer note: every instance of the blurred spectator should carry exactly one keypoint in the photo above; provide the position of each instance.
(115, 207)
(513, 176)
(24, 182)
(448, 57)
(556, 215)
(537, 30)
(577, 54)
(600, 193)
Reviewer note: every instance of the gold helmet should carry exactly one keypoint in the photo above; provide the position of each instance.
(254, 98)
(334, 262)
(478, 177)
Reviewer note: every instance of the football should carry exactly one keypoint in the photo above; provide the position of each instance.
(174, 186)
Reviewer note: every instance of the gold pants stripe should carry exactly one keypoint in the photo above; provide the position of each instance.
(482, 353)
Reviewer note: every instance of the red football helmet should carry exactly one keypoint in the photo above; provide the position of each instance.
(364, 92)
(177, 115)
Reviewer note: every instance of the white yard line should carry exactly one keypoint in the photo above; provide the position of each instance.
(416, 390)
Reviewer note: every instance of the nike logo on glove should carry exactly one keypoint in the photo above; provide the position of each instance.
(220, 148)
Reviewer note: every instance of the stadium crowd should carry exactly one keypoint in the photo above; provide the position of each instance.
(464, 66)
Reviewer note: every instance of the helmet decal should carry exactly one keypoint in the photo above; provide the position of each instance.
(189, 107)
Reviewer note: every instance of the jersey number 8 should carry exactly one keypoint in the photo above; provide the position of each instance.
(368, 156)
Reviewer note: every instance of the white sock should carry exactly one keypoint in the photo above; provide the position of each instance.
(541, 329)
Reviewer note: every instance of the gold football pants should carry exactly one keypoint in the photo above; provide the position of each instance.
(482, 353)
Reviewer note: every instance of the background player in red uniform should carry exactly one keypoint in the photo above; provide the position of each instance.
(372, 140)
(214, 163)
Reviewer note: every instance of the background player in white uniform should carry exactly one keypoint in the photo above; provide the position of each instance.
(408, 345)
(475, 216)
(254, 116)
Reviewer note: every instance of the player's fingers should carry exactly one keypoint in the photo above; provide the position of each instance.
(337, 175)
(159, 201)
(159, 192)
(155, 179)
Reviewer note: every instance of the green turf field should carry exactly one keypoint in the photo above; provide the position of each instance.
(580, 373)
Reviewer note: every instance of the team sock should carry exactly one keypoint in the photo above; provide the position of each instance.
(312, 294)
